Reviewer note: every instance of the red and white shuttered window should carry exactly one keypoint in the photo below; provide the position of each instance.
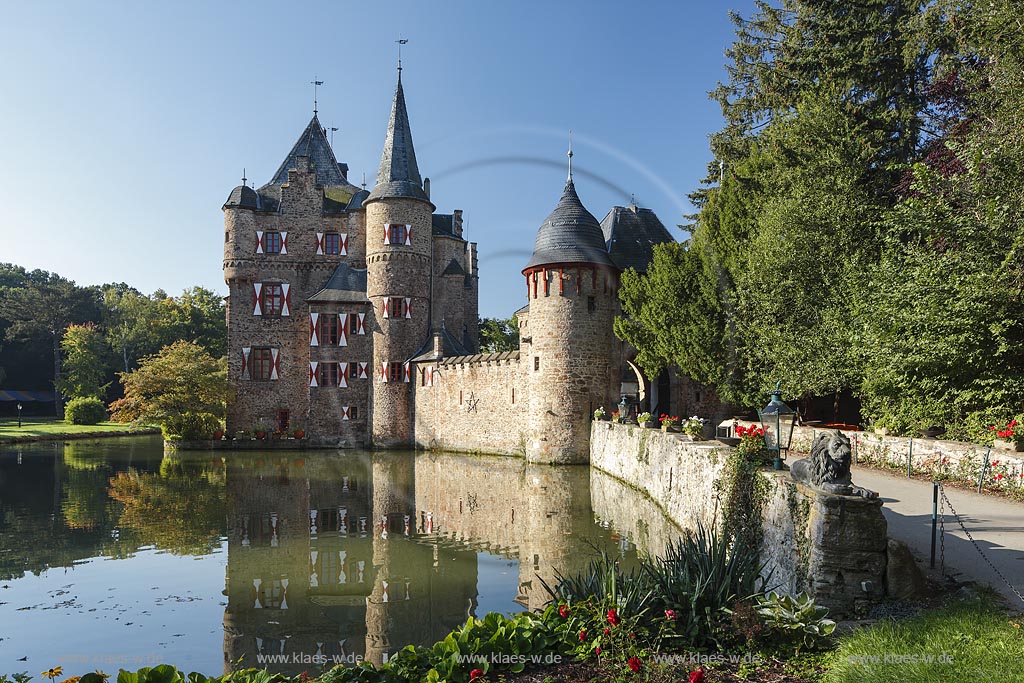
(271, 242)
(395, 371)
(363, 371)
(358, 323)
(261, 363)
(332, 243)
(329, 329)
(271, 299)
(314, 374)
(397, 307)
(427, 378)
(349, 413)
(395, 233)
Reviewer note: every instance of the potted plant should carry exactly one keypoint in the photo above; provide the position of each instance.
(298, 431)
(669, 423)
(693, 427)
(1008, 438)
(752, 446)
(218, 434)
(260, 429)
(647, 421)
(599, 414)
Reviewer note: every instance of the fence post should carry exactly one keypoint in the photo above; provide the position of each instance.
(935, 517)
(910, 457)
(984, 468)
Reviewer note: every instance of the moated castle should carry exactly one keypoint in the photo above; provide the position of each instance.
(353, 313)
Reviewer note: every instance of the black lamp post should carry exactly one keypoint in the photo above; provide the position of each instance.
(777, 420)
(19, 416)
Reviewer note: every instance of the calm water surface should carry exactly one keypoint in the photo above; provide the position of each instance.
(114, 555)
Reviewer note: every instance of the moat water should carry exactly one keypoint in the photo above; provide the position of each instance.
(113, 555)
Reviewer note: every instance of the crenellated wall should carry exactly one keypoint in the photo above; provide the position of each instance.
(475, 404)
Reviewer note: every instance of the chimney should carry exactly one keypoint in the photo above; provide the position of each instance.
(438, 345)
(426, 187)
(457, 222)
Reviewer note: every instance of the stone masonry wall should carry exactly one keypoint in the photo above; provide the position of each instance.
(833, 547)
(477, 406)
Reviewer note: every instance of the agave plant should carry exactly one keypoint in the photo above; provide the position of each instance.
(796, 619)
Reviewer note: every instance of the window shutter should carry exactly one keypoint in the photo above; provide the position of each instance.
(431, 375)
(384, 372)
(387, 233)
(257, 296)
(259, 241)
(343, 329)
(407, 374)
(386, 307)
(343, 375)
(407, 306)
(245, 363)
(312, 374)
(284, 243)
(345, 412)
(320, 244)
(363, 370)
(408, 235)
(344, 244)
(362, 323)
(314, 329)
(286, 307)
(275, 363)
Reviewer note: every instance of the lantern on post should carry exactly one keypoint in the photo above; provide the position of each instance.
(19, 415)
(777, 420)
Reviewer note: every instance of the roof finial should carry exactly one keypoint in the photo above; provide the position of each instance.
(364, 180)
(243, 176)
(570, 156)
(401, 41)
(333, 128)
(316, 84)
(632, 199)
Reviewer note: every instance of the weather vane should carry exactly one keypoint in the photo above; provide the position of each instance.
(316, 84)
(333, 128)
(401, 41)
(570, 155)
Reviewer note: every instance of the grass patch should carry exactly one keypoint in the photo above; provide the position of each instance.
(52, 428)
(972, 640)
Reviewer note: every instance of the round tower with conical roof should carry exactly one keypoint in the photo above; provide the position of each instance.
(569, 355)
(398, 248)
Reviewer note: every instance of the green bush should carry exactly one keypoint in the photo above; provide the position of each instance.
(190, 426)
(85, 411)
(795, 621)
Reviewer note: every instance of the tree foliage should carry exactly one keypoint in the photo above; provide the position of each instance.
(85, 362)
(182, 388)
(499, 334)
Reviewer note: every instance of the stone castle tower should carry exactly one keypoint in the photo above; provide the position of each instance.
(570, 358)
(333, 290)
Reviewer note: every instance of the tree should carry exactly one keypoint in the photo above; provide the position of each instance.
(498, 334)
(181, 388)
(85, 362)
(129, 318)
(43, 307)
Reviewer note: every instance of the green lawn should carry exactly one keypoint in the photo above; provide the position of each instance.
(54, 428)
(968, 641)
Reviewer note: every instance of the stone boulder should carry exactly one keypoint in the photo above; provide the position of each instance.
(903, 578)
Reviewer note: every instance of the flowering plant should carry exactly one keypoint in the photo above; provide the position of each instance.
(669, 420)
(694, 426)
(1008, 432)
(643, 417)
(753, 446)
(599, 413)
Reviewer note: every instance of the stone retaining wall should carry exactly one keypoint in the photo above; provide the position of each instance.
(832, 547)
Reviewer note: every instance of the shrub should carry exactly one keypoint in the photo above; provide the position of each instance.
(795, 621)
(190, 426)
(85, 411)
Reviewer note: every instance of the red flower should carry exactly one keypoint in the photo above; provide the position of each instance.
(697, 675)
(670, 614)
(475, 674)
(634, 664)
(597, 649)
(994, 463)
(1013, 423)
(563, 611)
(632, 636)
(613, 617)
(992, 428)
(583, 635)
(608, 630)
(998, 477)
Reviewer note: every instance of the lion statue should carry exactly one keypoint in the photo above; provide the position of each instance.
(828, 468)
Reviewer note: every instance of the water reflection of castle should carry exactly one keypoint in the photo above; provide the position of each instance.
(357, 556)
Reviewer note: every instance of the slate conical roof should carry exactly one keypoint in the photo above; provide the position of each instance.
(398, 175)
(570, 234)
(313, 144)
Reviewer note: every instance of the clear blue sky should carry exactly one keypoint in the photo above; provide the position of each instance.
(126, 124)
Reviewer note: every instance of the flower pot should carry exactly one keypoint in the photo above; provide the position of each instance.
(261, 435)
(670, 428)
(218, 435)
(299, 433)
(1008, 445)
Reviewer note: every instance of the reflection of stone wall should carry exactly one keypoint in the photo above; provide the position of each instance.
(476, 407)
(631, 513)
(826, 545)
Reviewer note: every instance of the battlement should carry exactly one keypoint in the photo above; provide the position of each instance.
(483, 359)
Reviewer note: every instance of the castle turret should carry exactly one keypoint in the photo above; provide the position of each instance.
(569, 357)
(398, 262)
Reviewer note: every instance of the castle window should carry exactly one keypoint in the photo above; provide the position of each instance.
(332, 243)
(353, 412)
(353, 323)
(397, 234)
(261, 363)
(330, 331)
(591, 304)
(396, 372)
(272, 242)
(536, 363)
(273, 299)
(227, 237)
(328, 374)
(353, 370)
